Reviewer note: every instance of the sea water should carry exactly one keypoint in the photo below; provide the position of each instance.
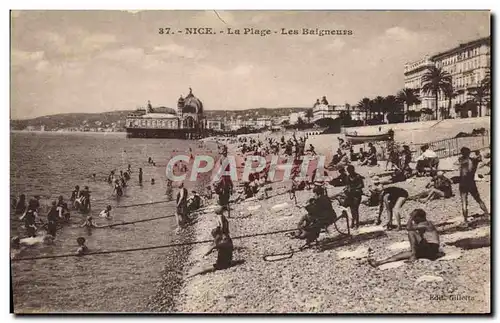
(51, 164)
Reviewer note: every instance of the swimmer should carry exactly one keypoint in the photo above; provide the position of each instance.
(82, 248)
(89, 223)
(62, 208)
(118, 189)
(152, 181)
(106, 213)
(75, 194)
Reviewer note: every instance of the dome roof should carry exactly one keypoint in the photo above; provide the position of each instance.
(163, 110)
(192, 104)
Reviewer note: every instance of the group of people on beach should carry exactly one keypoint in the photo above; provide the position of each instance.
(321, 214)
(423, 236)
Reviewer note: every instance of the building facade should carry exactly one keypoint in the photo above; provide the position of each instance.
(468, 64)
(214, 124)
(322, 111)
(413, 73)
(162, 122)
(264, 122)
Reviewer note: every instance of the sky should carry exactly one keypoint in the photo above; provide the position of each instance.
(97, 61)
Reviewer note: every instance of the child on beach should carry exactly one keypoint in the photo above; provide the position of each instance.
(224, 246)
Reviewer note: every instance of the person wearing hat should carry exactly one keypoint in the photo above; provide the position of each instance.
(467, 184)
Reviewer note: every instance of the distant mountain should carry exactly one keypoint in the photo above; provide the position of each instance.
(111, 119)
(116, 119)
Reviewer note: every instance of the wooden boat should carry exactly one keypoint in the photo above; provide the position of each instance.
(359, 139)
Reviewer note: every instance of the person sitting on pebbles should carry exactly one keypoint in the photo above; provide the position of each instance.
(320, 215)
(194, 202)
(224, 246)
(424, 240)
(373, 192)
(438, 187)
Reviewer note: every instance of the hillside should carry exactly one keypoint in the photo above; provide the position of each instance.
(115, 119)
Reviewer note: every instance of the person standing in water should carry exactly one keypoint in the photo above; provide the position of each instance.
(52, 217)
(118, 189)
(140, 176)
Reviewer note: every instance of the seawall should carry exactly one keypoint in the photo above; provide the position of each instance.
(409, 133)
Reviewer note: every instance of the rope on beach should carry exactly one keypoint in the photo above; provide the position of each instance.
(148, 248)
(141, 204)
(137, 221)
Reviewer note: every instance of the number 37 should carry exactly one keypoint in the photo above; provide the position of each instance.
(162, 31)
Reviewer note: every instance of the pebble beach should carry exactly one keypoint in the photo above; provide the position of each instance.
(335, 277)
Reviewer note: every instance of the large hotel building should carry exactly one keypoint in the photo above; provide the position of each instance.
(467, 64)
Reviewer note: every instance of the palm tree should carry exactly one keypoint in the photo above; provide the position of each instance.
(377, 105)
(434, 81)
(309, 115)
(479, 95)
(408, 97)
(450, 94)
(390, 105)
(364, 105)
